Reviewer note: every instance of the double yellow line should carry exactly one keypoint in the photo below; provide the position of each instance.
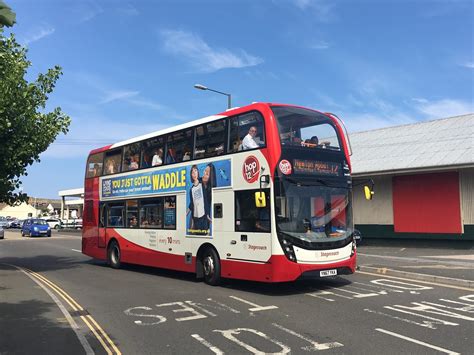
(95, 328)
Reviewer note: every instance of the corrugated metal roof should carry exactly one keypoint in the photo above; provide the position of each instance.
(438, 143)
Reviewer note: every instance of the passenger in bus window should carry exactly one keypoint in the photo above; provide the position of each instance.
(110, 167)
(133, 222)
(249, 141)
(157, 158)
(96, 171)
(133, 162)
(171, 156)
(187, 154)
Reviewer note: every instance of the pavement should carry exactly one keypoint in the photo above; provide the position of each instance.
(445, 262)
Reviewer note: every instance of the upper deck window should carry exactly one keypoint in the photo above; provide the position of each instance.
(305, 128)
(131, 156)
(210, 139)
(94, 165)
(179, 146)
(112, 162)
(153, 152)
(247, 132)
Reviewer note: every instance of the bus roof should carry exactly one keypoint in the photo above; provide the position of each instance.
(229, 112)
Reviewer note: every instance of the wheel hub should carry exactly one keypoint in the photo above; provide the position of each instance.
(208, 265)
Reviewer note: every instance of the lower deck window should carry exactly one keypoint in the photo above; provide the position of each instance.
(248, 217)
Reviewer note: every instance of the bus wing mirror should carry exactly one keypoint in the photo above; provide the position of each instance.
(260, 199)
(369, 192)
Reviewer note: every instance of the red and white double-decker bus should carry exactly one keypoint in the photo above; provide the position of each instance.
(262, 192)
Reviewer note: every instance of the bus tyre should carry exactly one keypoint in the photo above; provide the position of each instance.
(211, 267)
(113, 255)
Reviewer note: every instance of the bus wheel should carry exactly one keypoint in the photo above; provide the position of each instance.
(113, 255)
(211, 267)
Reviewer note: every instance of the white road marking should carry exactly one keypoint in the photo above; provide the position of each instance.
(208, 345)
(399, 284)
(417, 341)
(76, 250)
(314, 345)
(468, 298)
(424, 325)
(200, 307)
(431, 319)
(469, 307)
(317, 295)
(256, 308)
(358, 294)
(183, 308)
(129, 312)
(379, 287)
(455, 257)
(229, 334)
(224, 306)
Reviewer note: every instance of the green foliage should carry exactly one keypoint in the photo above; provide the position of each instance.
(26, 129)
(7, 16)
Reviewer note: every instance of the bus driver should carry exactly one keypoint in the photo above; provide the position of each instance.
(249, 140)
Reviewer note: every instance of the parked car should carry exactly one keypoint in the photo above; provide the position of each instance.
(35, 227)
(75, 223)
(357, 236)
(17, 223)
(11, 222)
(54, 223)
(3, 222)
(2, 232)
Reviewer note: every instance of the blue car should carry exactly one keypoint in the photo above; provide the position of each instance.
(35, 228)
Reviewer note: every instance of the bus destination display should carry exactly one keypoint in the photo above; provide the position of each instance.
(316, 167)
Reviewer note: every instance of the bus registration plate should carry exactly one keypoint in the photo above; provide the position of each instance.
(325, 273)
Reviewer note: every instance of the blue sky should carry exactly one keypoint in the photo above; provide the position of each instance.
(130, 66)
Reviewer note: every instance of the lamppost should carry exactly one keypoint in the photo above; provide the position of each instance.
(202, 87)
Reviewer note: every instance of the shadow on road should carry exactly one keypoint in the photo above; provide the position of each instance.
(28, 327)
(268, 289)
(43, 262)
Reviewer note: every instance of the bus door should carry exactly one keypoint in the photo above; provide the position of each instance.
(251, 238)
(103, 216)
(112, 216)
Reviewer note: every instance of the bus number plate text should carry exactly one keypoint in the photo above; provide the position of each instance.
(325, 273)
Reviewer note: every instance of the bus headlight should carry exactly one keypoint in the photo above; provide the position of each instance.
(288, 249)
(354, 247)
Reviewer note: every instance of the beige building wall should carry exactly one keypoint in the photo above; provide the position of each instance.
(466, 177)
(20, 211)
(379, 210)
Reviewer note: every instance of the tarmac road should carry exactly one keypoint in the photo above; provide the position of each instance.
(54, 300)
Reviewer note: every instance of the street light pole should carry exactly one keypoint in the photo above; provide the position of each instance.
(229, 99)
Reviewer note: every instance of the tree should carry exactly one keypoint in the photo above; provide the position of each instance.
(26, 129)
(7, 16)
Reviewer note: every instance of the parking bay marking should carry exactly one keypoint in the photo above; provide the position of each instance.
(256, 308)
(417, 341)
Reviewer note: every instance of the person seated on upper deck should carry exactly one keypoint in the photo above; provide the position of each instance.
(249, 141)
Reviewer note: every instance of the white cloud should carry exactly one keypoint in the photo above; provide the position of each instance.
(443, 108)
(88, 10)
(199, 54)
(469, 65)
(38, 34)
(118, 95)
(319, 45)
(321, 10)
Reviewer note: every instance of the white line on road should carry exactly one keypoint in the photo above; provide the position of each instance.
(417, 341)
(204, 342)
(257, 307)
(76, 250)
